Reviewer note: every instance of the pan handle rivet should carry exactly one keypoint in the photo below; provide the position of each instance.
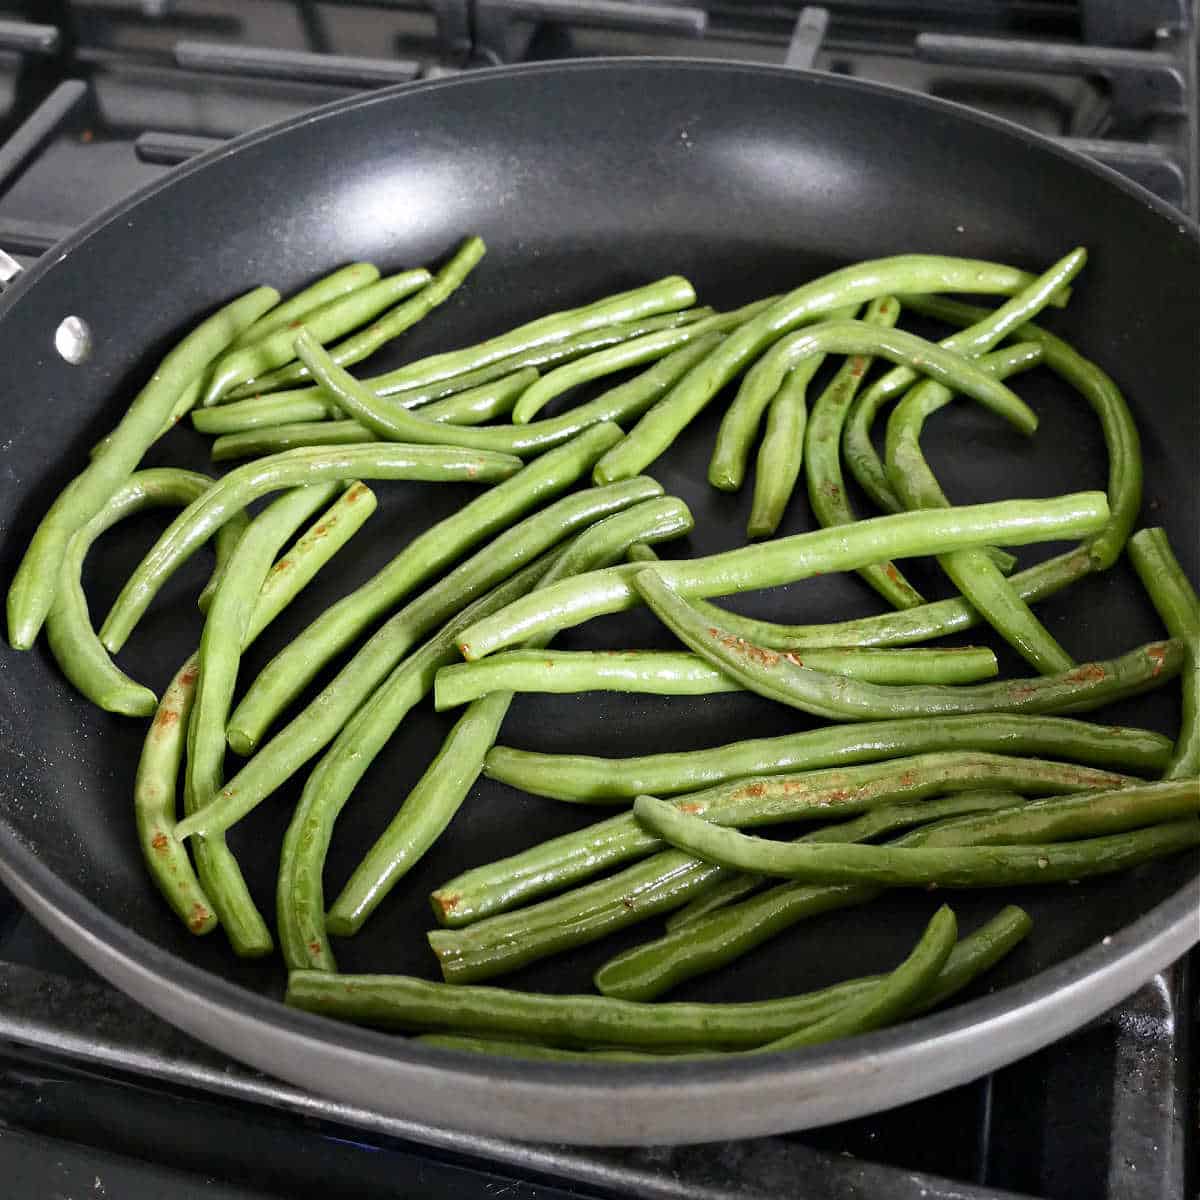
(73, 340)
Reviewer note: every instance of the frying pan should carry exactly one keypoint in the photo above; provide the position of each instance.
(585, 178)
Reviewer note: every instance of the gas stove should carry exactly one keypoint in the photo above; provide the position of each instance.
(98, 1098)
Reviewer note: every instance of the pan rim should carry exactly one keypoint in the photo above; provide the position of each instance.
(578, 1102)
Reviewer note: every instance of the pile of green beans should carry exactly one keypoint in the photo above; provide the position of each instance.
(938, 774)
(812, 796)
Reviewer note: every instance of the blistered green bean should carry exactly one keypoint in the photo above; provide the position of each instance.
(732, 886)
(723, 936)
(960, 866)
(674, 673)
(937, 619)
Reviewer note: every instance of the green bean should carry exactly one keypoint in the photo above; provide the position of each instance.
(400, 1002)
(822, 458)
(781, 452)
(257, 443)
(299, 892)
(635, 352)
(773, 799)
(329, 287)
(721, 937)
(319, 722)
(857, 284)
(441, 790)
(786, 679)
(924, 399)
(739, 426)
(788, 559)
(591, 780)
(69, 632)
(1065, 818)
(901, 991)
(294, 467)
(966, 866)
(667, 295)
(1106, 401)
(469, 406)
(937, 619)
(224, 544)
(731, 887)
(162, 753)
(286, 675)
(331, 320)
(436, 291)
(673, 673)
(1175, 599)
(988, 328)
(33, 587)
(312, 550)
(975, 576)
(154, 804)
(225, 629)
